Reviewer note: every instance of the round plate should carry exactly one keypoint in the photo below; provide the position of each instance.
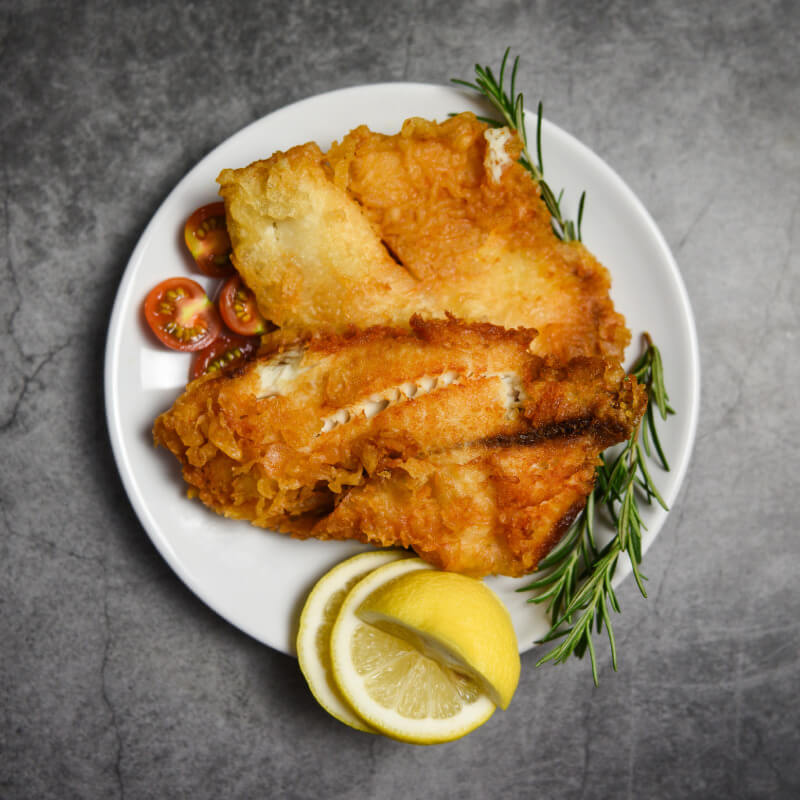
(258, 579)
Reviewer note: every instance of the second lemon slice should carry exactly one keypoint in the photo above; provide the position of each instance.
(390, 683)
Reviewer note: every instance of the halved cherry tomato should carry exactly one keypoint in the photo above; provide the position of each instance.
(237, 304)
(227, 350)
(206, 236)
(181, 315)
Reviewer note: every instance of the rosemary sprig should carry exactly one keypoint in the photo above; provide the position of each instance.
(576, 578)
(511, 108)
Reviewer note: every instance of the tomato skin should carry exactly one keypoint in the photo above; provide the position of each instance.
(206, 236)
(181, 315)
(237, 305)
(228, 350)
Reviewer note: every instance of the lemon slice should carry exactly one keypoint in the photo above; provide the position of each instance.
(316, 621)
(390, 683)
(458, 621)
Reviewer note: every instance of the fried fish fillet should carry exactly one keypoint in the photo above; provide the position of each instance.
(334, 436)
(479, 510)
(437, 218)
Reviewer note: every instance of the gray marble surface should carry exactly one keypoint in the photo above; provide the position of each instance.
(115, 681)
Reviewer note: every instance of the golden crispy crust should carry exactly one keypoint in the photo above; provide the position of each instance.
(382, 227)
(287, 440)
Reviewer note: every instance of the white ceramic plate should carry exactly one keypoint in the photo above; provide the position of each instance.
(257, 579)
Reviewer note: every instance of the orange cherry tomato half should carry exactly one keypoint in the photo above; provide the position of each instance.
(237, 304)
(181, 315)
(227, 351)
(206, 235)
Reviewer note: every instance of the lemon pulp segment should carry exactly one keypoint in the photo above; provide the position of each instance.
(456, 620)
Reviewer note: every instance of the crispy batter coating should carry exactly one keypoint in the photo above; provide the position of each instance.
(433, 219)
(349, 436)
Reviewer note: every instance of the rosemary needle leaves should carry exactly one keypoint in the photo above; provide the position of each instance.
(511, 107)
(576, 578)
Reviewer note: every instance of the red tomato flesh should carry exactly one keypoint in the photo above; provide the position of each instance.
(227, 351)
(237, 305)
(206, 236)
(181, 315)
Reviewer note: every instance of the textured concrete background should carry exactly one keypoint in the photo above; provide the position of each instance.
(115, 681)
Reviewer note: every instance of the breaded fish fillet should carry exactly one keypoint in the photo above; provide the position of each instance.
(437, 218)
(287, 439)
(479, 510)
